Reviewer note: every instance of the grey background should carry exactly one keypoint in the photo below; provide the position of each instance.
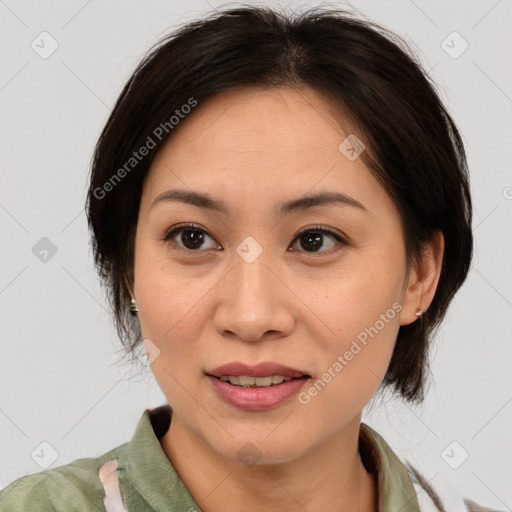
(59, 377)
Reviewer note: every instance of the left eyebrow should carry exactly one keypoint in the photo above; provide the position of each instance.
(203, 200)
(321, 199)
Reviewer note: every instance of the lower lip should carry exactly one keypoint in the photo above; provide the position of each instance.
(257, 399)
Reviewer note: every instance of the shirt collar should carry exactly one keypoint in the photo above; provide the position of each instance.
(154, 477)
(148, 468)
(395, 489)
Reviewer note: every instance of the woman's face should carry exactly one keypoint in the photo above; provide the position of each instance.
(243, 286)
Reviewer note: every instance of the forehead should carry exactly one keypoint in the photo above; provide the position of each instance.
(248, 119)
(260, 142)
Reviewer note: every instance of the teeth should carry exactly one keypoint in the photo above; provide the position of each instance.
(246, 381)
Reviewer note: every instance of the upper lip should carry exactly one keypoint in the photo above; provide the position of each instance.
(260, 370)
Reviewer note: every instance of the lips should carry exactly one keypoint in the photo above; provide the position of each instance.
(257, 398)
(260, 370)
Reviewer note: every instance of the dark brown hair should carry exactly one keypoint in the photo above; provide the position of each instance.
(371, 77)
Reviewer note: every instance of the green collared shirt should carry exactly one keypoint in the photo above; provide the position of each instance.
(138, 477)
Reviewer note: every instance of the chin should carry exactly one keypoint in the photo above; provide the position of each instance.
(252, 449)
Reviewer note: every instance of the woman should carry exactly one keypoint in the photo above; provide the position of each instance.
(280, 210)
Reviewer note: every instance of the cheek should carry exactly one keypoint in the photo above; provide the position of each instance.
(354, 366)
(357, 299)
(169, 318)
(170, 315)
(166, 296)
(362, 312)
(169, 305)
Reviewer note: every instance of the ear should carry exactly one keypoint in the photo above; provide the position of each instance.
(423, 279)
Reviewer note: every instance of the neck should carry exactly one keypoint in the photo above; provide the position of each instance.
(332, 478)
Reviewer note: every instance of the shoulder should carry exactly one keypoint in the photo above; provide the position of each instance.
(72, 487)
(442, 498)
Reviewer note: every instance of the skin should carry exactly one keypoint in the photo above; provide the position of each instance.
(204, 307)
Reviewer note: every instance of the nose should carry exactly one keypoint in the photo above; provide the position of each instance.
(254, 301)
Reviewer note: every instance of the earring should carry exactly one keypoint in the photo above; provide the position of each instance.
(133, 307)
(418, 313)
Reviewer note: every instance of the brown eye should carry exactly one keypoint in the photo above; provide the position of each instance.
(312, 239)
(188, 236)
(193, 238)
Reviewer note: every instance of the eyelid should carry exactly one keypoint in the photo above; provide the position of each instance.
(172, 230)
(338, 235)
(340, 238)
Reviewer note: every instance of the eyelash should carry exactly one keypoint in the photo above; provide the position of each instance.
(178, 228)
